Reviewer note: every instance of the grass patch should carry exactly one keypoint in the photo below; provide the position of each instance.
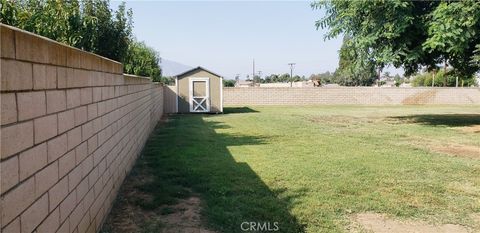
(310, 168)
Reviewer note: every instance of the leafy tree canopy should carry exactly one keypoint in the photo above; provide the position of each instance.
(354, 69)
(277, 78)
(408, 34)
(89, 25)
(228, 83)
(142, 60)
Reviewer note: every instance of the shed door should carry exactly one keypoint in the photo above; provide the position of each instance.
(199, 95)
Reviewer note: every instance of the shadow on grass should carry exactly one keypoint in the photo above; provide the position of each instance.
(230, 110)
(452, 120)
(186, 155)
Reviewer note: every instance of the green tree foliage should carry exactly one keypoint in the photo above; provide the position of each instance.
(89, 25)
(271, 78)
(228, 83)
(408, 34)
(258, 79)
(353, 68)
(276, 78)
(142, 60)
(296, 78)
(453, 32)
(283, 78)
(105, 33)
(476, 56)
(57, 20)
(442, 78)
(8, 12)
(398, 80)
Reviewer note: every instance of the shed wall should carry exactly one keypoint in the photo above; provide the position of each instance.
(215, 89)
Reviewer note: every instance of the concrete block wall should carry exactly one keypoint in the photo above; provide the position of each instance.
(349, 95)
(72, 126)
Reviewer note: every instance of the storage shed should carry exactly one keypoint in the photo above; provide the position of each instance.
(199, 91)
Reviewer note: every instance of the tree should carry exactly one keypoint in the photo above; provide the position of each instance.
(57, 20)
(89, 25)
(257, 79)
(453, 32)
(275, 78)
(353, 69)
(142, 60)
(476, 56)
(8, 12)
(398, 80)
(228, 83)
(284, 78)
(103, 32)
(295, 78)
(408, 34)
(268, 79)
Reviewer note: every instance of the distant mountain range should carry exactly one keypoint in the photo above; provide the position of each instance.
(172, 68)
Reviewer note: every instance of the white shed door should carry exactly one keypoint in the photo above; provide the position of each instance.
(199, 94)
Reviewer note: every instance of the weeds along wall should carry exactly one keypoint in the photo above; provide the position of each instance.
(72, 126)
(349, 96)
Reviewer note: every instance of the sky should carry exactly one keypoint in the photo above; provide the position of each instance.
(225, 37)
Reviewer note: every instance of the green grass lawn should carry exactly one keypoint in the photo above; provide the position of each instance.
(310, 168)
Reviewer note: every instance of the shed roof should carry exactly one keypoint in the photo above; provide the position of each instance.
(194, 69)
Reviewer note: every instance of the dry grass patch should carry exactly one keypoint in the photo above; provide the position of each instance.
(378, 223)
(476, 218)
(347, 121)
(125, 215)
(184, 217)
(458, 150)
(470, 129)
(452, 149)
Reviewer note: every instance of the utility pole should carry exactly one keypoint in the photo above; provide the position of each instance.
(253, 72)
(292, 65)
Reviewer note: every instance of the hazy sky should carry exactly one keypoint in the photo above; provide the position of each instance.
(226, 36)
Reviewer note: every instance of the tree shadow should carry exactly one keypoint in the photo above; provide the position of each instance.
(452, 120)
(188, 157)
(232, 110)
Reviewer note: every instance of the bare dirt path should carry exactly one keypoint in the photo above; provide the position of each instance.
(377, 223)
